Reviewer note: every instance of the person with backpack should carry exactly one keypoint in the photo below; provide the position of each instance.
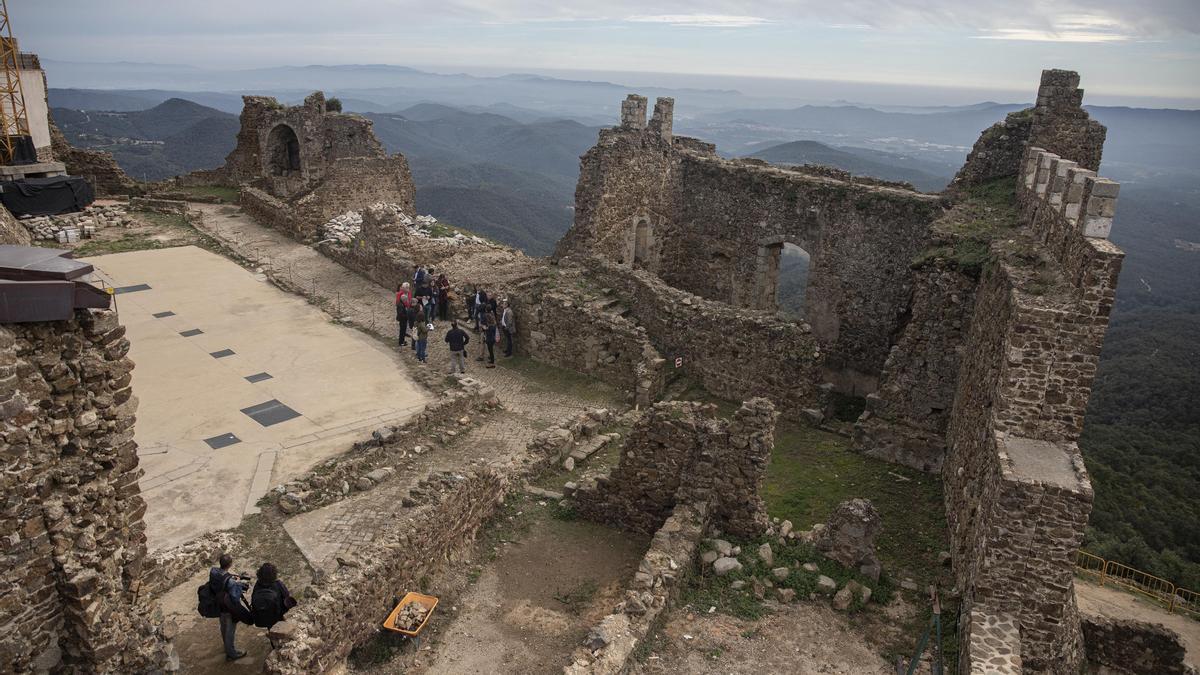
(270, 599)
(222, 598)
(457, 338)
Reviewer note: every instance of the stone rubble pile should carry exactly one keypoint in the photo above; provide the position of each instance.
(411, 616)
(345, 228)
(69, 228)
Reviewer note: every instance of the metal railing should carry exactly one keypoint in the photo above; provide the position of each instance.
(1143, 583)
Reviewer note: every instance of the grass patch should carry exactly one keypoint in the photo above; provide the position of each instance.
(984, 213)
(226, 194)
(812, 471)
(551, 379)
(127, 243)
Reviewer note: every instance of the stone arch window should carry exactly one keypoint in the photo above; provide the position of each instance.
(283, 151)
(782, 277)
(643, 235)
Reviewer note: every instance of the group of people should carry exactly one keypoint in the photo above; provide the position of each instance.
(267, 604)
(425, 298)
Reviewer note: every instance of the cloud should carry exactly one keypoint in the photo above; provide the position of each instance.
(1076, 28)
(701, 20)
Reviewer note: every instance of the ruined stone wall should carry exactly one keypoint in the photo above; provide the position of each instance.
(681, 453)
(710, 226)
(861, 239)
(273, 213)
(562, 324)
(335, 165)
(905, 421)
(998, 151)
(354, 183)
(733, 353)
(628, 179)
(74, 541)
(1131, 647)
(11, 231)
(1017, 493)
(320, 633)
(1061, 125)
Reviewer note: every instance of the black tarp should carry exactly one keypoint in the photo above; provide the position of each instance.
(46, 196)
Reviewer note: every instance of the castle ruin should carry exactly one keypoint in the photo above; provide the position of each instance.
(977, 371)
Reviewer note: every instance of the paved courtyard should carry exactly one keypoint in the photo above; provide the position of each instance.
(242, 386)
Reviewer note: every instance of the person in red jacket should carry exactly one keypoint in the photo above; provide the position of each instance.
(403, 302)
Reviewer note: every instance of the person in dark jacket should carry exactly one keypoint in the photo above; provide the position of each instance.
(270, 599)
(229, 594)
(489, 336)
(414, 315)
(457, 339)
(443, 296)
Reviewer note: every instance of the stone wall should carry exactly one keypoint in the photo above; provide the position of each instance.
(158, 205)
(568, 322)
(74, 539)
(905, 420)
(998, 151)
(1133, 647)
(682, 453)
(734, 353)
(301, 165)
(669, 205)
(351, 601)
(1017, 492)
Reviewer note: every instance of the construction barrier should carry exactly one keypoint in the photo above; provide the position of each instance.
(1144, 583)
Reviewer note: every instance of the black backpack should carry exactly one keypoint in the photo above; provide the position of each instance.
(265, 605)
(208, 599)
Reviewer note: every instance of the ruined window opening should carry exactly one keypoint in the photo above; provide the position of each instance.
(783, 279)
(284, 151)
(641, 242)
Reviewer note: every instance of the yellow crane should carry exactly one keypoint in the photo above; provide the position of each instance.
(14, 122)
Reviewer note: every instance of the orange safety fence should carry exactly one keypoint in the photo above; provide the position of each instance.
(1087, 563)
(1187, 602)
(1104, 571)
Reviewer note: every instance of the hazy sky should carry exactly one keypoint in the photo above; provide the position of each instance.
(1135, 48)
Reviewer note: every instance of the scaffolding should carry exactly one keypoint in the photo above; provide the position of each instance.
(14, 122)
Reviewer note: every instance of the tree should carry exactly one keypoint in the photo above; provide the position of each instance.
(334, 104)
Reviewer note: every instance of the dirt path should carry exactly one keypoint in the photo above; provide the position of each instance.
(537, 600)
(798, 638)
(1110, 602)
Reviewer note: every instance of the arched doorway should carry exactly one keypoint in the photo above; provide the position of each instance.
(283, 151)
(782, 278)
(641, 242)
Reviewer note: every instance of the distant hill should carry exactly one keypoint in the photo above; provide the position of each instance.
(168, 139)
(858, 161)
(510, 180)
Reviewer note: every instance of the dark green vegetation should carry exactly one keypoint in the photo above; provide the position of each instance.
(172, 138)
(1142, 433)
(858, 161)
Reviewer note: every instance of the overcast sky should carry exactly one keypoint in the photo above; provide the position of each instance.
(1123, 48)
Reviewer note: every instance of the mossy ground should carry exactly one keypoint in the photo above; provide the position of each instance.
(983, 214)
(544, 378)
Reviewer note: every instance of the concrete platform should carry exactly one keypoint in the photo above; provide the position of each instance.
(242, 386)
